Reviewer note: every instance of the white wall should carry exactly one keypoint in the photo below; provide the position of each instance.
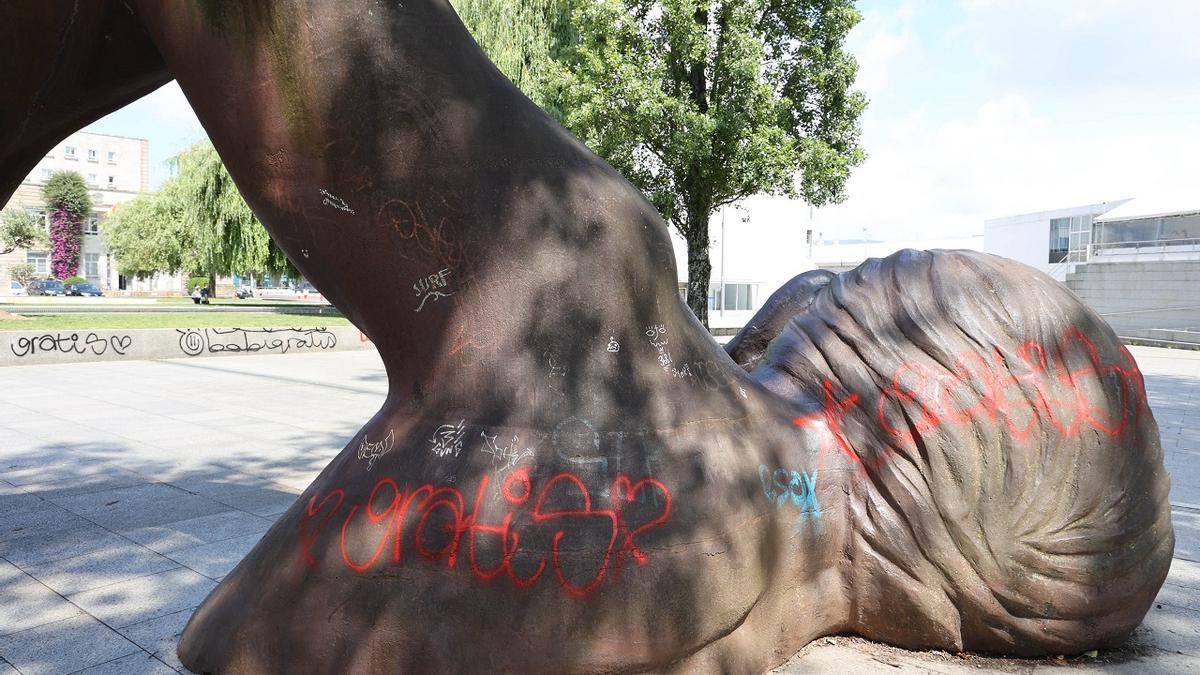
(764, 244)
(1026, 237)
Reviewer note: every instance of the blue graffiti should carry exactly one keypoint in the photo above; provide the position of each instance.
(782, 486)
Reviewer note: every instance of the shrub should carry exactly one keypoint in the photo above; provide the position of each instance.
(67, 198)
(75, 280)
(193, 282)
(23, 273)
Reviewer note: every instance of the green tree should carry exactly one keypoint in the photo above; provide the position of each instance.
(146, 234)
(222, 234)
(197, 222)
(20, 229)
(522, 37)
(69, 203)
(23, 272)
(702, 103)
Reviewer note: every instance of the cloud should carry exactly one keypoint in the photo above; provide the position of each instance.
(1007, 158)
(997, 108)
(883, 39)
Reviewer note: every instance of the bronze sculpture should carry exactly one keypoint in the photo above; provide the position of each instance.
(941, 450)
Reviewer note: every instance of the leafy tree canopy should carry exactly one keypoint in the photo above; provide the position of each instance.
(521, 37)
(19, 229)
(23, 273)
(67, 191)
(196, 222)
(699, 103)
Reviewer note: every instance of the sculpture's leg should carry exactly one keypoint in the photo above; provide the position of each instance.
(568, 473)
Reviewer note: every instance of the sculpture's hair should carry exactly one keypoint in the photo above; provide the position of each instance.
(1009, 489)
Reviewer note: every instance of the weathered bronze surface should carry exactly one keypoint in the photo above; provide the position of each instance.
(938, 449)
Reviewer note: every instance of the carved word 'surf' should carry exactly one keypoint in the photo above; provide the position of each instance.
(433, 287)
(561, 510)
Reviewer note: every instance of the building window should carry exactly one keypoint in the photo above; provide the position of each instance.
(92, 226)
(39, 262)
(91, 155)
(112, 157)
(91, 267)
(69, 152)
(92, 178)
(738, 297)
(1060, 239)
(45, 174)
(42, 216)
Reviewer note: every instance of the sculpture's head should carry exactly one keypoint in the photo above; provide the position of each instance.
(1009, 489)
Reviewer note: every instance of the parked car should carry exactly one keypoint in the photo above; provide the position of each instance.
(83, 290)
(16, 288)
(46, 287)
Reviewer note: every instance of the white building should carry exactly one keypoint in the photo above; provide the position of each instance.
(1053, 241)
(116, 169)
(753, 252)
(1124, 230)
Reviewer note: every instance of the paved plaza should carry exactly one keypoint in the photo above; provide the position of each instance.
(129, 489)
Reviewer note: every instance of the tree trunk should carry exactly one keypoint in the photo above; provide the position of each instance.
(699, 266)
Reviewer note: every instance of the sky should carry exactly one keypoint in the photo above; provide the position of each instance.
(978, 109)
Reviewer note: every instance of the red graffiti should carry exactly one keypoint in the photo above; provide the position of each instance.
(832, 415)
(442, 511)
(1053, 388)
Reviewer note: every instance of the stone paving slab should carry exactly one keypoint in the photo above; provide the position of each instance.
(134, 509)
(139, 663)
(196, 532)
(217, 559)
(64, 646)
(109, 565)
(145, 597)
(28, 603)
(159, 636)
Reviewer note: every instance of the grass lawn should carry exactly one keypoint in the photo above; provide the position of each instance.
(79, 321)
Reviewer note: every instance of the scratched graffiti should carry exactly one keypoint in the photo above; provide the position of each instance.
(564, 531)
(432, 287)
(328, 199)
(504, 457)
(373, 451)
(795, 487)
(424, 235)
(71, 343)
(657, 334)
(196, 341)
(613, 346)
(1034, 389)
(448, 439)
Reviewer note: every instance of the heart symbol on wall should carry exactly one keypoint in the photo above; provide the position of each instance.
(120, 343)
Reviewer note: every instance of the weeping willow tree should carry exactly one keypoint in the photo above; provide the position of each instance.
(226, 237)
(197, 222)
(522, 37)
